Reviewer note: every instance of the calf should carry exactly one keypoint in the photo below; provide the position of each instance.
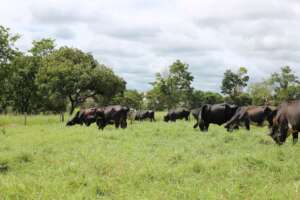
(179, 113)
(145, 114)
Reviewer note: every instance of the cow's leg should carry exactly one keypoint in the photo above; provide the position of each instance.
(247, 123)
(232, 121)
(229, 129)
(195, 126)
(206, 127)
(117, 123)
(123, 124)
(295, 138)
(100, 124)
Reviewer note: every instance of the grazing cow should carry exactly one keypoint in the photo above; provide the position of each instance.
(286, 121)
(214, 114)
(145, 114)
(115, 113)
(180, 113)
(85, 116)
(247, 114)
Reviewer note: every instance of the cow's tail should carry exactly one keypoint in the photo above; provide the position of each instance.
(235, 119)
(200, 123)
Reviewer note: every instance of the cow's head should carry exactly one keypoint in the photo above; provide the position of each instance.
(279, 131)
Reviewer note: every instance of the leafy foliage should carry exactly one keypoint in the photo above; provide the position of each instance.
(285, 84)
(7, 52)
(175, 89)
(22, 82)
(130, 98)
(233, 83)
(73, 74)
(261, 93)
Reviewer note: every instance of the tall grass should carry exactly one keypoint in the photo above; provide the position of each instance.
(47, 160)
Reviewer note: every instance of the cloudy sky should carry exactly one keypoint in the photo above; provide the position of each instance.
(138, 38)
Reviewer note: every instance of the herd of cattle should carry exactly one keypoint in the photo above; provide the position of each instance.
(283, 120)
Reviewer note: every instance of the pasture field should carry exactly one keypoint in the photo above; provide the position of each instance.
(47, 160)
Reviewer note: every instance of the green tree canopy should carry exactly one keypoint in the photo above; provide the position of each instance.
(7, 53)
(175, 89)
(42, 47)
(234, 82)
(23, 86)
(285, 85)
(73, 74)
(130, 98)
(261, 93)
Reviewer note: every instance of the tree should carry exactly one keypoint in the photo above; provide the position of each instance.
(155, 99)
(284, 79)
(23, 86)
(212, 98)
(43, 47)
(261, 93)
(77, 76)
(7, 52)
(285, 85)
(233, 83)
(130, 98)
(48, 101)
(198, 98)
(7, 45)
(175, 89)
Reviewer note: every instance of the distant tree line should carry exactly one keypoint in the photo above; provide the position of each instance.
(51, 79)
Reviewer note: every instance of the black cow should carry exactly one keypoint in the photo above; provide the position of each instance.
(180, 113)
(116, 114)
(145, 114)
(247, 114)
(214, 114)
(286, 121)
(85, 116)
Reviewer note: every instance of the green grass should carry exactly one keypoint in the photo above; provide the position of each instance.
(46, 160)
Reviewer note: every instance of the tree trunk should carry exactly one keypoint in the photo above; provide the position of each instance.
(62, 116)
(72, 109)
(25, 118)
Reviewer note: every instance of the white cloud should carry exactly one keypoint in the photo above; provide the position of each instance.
(138, 38)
